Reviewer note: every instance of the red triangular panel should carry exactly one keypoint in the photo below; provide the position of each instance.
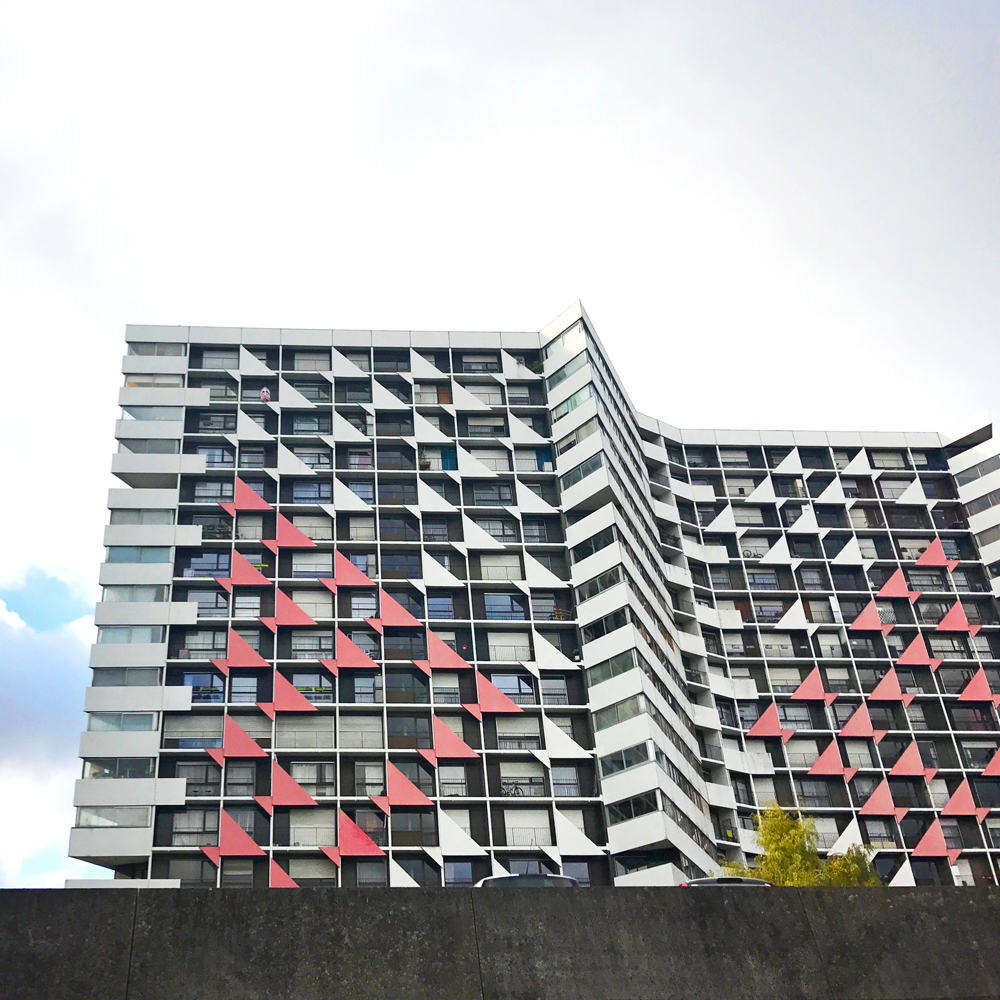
(430, 756)
(329, 583)
(270, 623)
(287, 698)
(931, 844)
(225, 583)
(351, 655)
(222, 666)
(934, 556)
(393, 613)
(423, 665)
(962, 803)
(212, 853)
(287, 612)
(954, 620)
(354, 842)
(829, 761)
(770, 725)
(382, 801)
(244, 573)
(911, 765)
(330, 665)
(285, 790)
(869, 621)
(267, 707)
(290, 537)
(402, 791)
(896, 586)
(237, 742)
(447, 744)
(441, 655)
(333, 853)
(492, 699)
(474, 710)
(242, 654)
(888, 689)
(244, 498)
(880, 803)
(992, 769)
(270, 544)
(264, 801)
(978, 688)
(234, 841)
(859, 725)
(376, 623)
(280, 879)
(216, 754)
(346, 574)
(915, 655)
(811, 689)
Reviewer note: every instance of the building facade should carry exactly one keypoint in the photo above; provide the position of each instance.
(413, 609)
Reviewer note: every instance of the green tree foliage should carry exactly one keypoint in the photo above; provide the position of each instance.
(791, 858)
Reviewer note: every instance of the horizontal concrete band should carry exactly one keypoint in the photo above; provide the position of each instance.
(449, 944)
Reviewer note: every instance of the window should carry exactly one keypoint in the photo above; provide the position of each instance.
(888, 460)
(584, 469)
(127, 593)
(121, 816)
(202, 779)
(626, 809)
(593, 544)
(318, 778)
(158, 350)
(117, 634)
(119, 767)
(173, 413)
(312, 564)
(440, 606)
(195, 827)
(571, 367)
(307, 491)
(622, 760)
(575, 437)
(149, 380)
(121, 722)
(569, 405)
(138, 554)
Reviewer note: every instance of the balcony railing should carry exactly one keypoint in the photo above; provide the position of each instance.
(454, 788)
(451, 696)
(509, 653)
(522, 787)
(362, 534)
(500, 573)
(566, 789)
(519, 742)
(369, 788)
(529, 836)
(368, 741)
(303, 739)
(313, 836)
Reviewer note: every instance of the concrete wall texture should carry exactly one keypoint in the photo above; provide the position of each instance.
(452, 944)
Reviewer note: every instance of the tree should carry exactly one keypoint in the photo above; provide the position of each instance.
(791, 857)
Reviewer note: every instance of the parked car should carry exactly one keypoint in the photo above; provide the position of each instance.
(724, 880)
(527, 882)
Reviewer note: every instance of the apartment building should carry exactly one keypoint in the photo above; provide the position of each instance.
(411, 609)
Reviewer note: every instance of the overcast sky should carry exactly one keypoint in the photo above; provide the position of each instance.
(777, 215)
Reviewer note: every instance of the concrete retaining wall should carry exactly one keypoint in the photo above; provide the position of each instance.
(450, 944)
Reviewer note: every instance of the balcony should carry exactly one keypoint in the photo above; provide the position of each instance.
(454, 789)
(362, 534)
(369, 788)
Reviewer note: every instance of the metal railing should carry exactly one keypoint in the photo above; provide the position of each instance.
(454, 788)
(566, 789)
(519, 742)
(500, 573)
(367, 740)
(509, 653)
(529, 836)
(313, 836)
(522, 787)
(304, 739)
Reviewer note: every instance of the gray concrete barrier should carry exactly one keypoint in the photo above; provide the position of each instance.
(528, 944)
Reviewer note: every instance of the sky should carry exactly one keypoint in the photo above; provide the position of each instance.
(776, 214)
